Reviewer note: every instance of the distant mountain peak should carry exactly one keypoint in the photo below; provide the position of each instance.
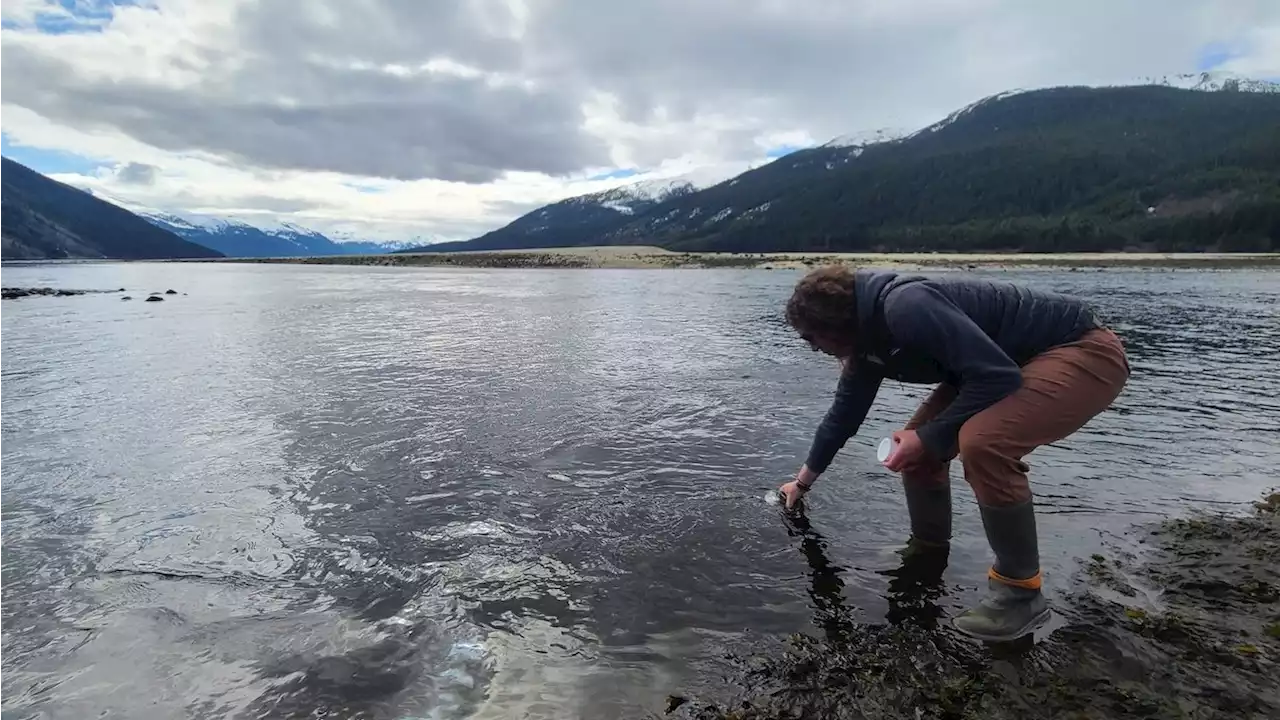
(1211, 81)
(45, 218)
(586, 218)
(1208, 81)
(866, 137)
(628, 199)
(237, 237)
(967, 110)
(181, 220)
(644, 189)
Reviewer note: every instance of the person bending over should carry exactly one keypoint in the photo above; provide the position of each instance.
(1014, 367)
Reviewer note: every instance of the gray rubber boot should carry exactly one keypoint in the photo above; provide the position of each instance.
(916, 584)
(1010, 610)
(929, 507)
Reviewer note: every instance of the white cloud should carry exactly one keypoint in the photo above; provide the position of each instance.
(1258, 53)
(391, 119)
(21, 10)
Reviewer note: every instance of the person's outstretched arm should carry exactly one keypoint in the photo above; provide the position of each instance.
(854, 394)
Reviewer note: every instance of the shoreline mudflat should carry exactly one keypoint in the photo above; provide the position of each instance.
(1193, 631)
(641, 257)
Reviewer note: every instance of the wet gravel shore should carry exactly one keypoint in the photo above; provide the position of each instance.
(1190, 631)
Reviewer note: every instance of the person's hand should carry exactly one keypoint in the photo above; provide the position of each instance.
(792, 492)
(908, 450)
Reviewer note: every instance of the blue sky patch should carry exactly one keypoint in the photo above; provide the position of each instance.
(1217, 54)
(74, 16)
(1213, 55)
(47, 162)
(363, 187)
(63, 25)
(614, 174)
(777, 152)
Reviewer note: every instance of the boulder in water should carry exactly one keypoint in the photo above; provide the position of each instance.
(170, 291)
(155, 298)
(16, 292)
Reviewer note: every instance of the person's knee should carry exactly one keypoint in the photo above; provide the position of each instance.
(979, 448)
(996, 476)
(927, 474)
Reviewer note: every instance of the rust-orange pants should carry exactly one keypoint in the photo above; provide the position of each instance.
(1062, 389)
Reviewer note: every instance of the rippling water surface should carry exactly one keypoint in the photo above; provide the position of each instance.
(396, 493)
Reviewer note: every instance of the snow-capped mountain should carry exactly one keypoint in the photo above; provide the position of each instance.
(626, 199)
(585, 219)
(45, 218)
(843, 148)
(1212, 81)
(846, 191)
(867, 137)
(260, 238)
(641, 194)
(707, 201)
(236, 238)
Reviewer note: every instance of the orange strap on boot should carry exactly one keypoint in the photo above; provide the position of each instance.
(1031, 583)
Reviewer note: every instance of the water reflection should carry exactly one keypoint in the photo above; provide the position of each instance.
(827, 589)
(914, 587)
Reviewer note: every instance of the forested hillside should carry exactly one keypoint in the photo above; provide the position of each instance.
(1061, 169)
(577, 220)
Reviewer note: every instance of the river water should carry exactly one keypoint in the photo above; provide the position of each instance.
(403, 493)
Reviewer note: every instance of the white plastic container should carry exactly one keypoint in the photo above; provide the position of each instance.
(885, 450)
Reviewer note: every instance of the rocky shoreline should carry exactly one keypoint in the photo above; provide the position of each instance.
(1206, 647)
(13, 293)
(629, 257)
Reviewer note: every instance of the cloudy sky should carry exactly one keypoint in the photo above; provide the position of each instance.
(440, 119)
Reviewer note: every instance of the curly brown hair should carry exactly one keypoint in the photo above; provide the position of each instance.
(823, 307)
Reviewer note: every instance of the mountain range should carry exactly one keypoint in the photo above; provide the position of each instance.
(47, 219)
(43, 219)
(1180, 163)
(577, 220)
(1187, 162)
(236, 238)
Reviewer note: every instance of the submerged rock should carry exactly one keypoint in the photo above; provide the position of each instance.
(1209, 650)
(11, 293)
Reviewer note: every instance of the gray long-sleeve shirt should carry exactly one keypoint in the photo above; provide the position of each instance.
(972, 333)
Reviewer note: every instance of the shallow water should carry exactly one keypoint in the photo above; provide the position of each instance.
(452, 493)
